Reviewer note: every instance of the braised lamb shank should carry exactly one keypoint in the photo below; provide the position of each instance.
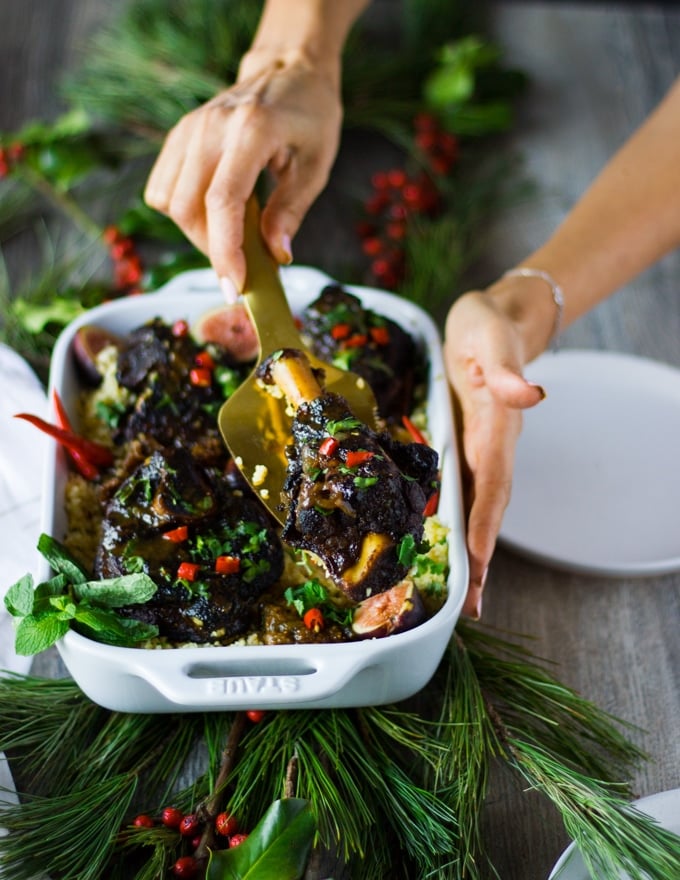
(352, 495)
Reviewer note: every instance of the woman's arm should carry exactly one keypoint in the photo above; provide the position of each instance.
(284, 113)
(626, 220)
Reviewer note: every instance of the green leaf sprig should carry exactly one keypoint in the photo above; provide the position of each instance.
(44, 613)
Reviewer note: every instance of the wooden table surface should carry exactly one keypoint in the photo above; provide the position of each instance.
(596, 71)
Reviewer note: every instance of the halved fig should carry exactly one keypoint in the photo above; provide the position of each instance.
(88, 342)
(230, 326)
(394, 611)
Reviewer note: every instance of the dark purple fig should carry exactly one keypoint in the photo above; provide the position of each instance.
(229, 326)
(397, 609)
(87, 344)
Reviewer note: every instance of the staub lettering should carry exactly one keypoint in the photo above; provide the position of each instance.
(254, 684)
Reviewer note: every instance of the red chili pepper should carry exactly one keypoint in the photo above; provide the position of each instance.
(416, 434)
(201, 377)
(380, 335)
(227, 564)
(358, 340)
(187, 571)
(432, 504)
(340, 331)
(357, 457)
(86, 454)
(313, 619)
(83, 465)
(204, 359)
(328, 446)
(181, 533)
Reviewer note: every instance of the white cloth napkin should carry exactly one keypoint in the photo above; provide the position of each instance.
(22, 453)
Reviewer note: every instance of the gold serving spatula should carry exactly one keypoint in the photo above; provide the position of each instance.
(255, 424)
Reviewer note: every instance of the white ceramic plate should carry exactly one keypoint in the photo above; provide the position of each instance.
(597, 476)
(664, 807)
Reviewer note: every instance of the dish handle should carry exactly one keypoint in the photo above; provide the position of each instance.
(276, 682)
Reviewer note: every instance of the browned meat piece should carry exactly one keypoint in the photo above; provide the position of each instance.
(341, 331)
(177, 398)
(353, 495)
(211, 551)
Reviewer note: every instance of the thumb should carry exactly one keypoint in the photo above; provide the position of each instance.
(507, 384)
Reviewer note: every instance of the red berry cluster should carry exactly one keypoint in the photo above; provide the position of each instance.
(127, 265)
(397, 196)
(190, 828)
(9, 156)
(439, 147)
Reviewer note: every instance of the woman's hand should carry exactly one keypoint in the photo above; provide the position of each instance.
(283, 114)
(484, 351)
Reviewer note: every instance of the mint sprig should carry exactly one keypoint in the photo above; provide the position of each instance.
(44, 613)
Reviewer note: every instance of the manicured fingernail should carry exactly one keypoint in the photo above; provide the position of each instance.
(287, 249)
(540, 388)
(229, 290)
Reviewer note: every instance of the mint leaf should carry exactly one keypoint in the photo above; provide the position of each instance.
(61, 560)
(36, 633)
(128, 589)
(19, 597)
(133, 631)
(106, 626)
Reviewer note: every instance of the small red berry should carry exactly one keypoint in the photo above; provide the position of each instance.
(225, 824)
(196, 841)
(426, 140)
(425, 122)
(111, 234)
(15, 152)
(397, 178)
(237, 840)
(255, 715)
(372, 246)
(379, 180)
(377, 203)
(186, 866)
(204, 359)
(143, 821)
(189, 825)
(171, 817)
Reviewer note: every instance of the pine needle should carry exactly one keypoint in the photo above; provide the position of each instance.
(49, 834)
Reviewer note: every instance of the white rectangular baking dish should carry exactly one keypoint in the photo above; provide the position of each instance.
(193, 679)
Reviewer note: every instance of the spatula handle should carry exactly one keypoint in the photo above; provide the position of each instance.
(263, 292)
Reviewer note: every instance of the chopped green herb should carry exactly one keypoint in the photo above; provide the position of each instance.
(336, 426)
(364, 482)
(110, 412)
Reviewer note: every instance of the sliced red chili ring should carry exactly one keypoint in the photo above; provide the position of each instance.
(340, 331)
(416, 435)
(380, 335)
(328, 446)
(358, 340)
(313, 619)
(181, 533)
(201, 377)
(356, 457)
(227, 564)
(204, 359)
(432, 504)
(187, 571)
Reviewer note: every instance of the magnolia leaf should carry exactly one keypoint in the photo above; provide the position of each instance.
(19, 597)
(38, 632)
(61, 560)
(34, 318)
(128, 589)
(276, 849)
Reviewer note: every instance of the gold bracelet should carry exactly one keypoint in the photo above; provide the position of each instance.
(557, 295)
